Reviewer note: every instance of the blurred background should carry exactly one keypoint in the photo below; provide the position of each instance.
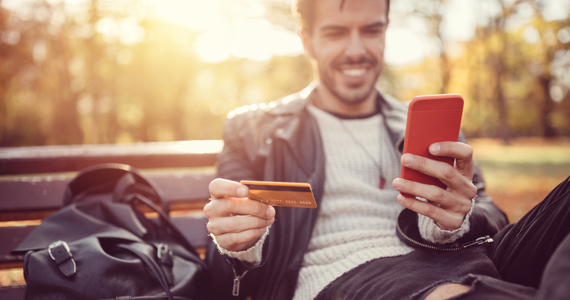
(106, 71)
(103, 71)
(128, 71)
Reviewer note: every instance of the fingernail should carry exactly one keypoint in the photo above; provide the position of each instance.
(263, 229)
(270, 212)
(242, 191)
(398, 183)
(434, 148)
(407, 159)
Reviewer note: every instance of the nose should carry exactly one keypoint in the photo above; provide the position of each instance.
(355, 48)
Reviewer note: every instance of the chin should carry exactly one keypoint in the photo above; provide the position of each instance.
(354, 96)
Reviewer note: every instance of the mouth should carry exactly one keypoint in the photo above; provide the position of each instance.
(354, 72)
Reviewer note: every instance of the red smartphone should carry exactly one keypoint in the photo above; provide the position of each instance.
(431, 119)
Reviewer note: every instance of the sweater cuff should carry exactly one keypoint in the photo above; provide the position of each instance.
(253, 255)
(432, 233)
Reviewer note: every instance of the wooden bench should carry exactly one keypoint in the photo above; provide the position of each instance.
(33, 179)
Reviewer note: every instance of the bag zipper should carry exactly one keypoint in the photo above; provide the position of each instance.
(477, 242)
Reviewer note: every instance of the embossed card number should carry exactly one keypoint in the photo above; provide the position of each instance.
(290, 194)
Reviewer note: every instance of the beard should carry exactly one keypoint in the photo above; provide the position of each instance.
(350, 94)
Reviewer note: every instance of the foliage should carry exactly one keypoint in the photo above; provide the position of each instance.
(110, 72)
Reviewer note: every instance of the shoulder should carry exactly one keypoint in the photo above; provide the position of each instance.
(274, 113)
(288, 105)
(247, 131)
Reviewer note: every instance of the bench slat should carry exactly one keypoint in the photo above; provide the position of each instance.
(37, 193)
(11, 237)
(53, 159)
(16, 292)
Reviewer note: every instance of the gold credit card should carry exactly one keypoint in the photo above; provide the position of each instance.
(291, 194)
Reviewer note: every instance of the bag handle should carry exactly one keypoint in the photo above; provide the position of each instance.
(103, 178)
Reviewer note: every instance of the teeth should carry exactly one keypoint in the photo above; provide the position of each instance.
(354, 72)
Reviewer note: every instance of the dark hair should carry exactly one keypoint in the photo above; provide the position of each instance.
(304, 12)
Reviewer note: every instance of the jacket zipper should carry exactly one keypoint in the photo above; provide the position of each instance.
(479, 241)
(237, 280)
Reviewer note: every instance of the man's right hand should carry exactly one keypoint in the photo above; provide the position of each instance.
(236, 221)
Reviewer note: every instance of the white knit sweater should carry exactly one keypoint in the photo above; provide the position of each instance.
(357, 219)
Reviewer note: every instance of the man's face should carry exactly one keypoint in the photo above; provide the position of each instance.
(347, 46)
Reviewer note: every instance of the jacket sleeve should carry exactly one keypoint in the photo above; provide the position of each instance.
(234, 163)
(486, 217)
(239, 158)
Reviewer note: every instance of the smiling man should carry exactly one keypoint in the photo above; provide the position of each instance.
(364, 241)
(346, 45)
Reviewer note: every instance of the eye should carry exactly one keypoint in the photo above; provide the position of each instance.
(334, 32)
(376, 30)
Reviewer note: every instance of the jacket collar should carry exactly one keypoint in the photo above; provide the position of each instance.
(394, 112)
(395, 116)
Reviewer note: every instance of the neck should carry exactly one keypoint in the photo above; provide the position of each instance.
(323, 99)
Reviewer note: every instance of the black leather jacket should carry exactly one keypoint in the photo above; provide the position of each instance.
(281, 142)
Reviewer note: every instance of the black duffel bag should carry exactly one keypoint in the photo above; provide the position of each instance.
(100, 245)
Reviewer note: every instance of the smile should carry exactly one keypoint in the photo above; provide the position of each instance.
(354, 72)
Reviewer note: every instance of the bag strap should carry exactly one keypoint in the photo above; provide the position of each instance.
(164, 219)
(154, 268)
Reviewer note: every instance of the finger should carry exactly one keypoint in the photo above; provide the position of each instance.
(238, 206)
(444, 198)
(445, 220)
(441, 170)
(462, 152)
(220, 188)
(236, 224)
(240, 241)
(456, 182)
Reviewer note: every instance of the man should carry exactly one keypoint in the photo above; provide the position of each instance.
(344, 137)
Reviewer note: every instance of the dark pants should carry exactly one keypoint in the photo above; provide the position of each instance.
(528, 260)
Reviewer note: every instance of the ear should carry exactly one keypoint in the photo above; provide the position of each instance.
(306, 38)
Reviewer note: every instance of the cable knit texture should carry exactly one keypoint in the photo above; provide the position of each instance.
(431, 232)
(357, 219)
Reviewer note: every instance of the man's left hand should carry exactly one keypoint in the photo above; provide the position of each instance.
(455, 201)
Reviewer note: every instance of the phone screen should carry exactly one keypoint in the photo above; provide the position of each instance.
(431, 119)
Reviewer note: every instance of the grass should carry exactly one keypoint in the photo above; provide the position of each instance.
(520, 175)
